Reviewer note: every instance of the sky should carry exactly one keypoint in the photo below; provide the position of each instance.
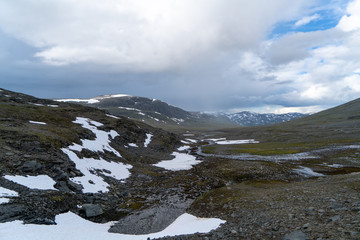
(205, 55)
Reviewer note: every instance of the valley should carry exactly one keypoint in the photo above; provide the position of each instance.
(126, 179)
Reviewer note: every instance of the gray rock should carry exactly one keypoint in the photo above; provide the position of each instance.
(11, 212)
(61, 185)
(296, 235)
(91, 210)
(31, 166)
(60, 174)
(151, 220)
(335, 218)
(74, 186)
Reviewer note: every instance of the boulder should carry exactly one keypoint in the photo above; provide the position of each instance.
(31, 166)
(296, 235)
(91, 210)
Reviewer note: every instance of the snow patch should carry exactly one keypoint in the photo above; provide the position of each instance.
(333, 165)
(133, 145)
(92, 100)
(183, 148)
(148, 139)
(71, 226)
(91, 182)
(41, 182)
(36, 104)
(4, 192)
(130, 109)
(92, 168)
(34, 122)
(101, 141)
(307, 172)
(4, 200)
(182, 161)
(53, 106)
(112, 116)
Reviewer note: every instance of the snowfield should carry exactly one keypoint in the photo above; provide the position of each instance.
(71, 226)
(182, 161)
(92, 181)
(41, 182)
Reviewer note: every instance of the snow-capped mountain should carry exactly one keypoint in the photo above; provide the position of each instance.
(150, 111)
(159, 113)
(247, 118)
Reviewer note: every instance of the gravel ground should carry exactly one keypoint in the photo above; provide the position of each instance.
(323, 208)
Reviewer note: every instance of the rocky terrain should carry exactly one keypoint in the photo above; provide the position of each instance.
(296, 180)
(247, 118)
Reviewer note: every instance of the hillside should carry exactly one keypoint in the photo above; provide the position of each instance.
(66, 158)
(73, 167)
(154, 112)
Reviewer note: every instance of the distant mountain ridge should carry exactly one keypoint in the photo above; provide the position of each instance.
(159, 113)
(151, 111)
(246, 118)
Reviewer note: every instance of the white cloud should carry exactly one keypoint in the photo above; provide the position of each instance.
(141, 35)
(306, 20)
(351, 21)
(308, 69)
(202, 55)
(307, 110)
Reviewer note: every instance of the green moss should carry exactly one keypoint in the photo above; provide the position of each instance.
(136, 205)
(272, 148)
(57, 198)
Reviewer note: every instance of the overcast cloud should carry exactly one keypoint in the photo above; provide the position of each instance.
(205, 55)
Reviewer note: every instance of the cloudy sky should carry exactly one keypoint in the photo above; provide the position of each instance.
(202, 55)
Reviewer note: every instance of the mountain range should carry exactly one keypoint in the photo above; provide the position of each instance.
(158, 113)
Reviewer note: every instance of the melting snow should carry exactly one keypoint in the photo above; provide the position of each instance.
(307, 172)
(92, 167)
(42, 182)
(101, 141)
(71, 226)
(36, 104)
(4, 193)
(182, 148)
(34, 122)
(112, 116)
(130, 109)
(133, 145)
(53, 106)
(91, 182)
(4, 200)
(333, 165)
(148, 139)
(182, 161)
(90, 101)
